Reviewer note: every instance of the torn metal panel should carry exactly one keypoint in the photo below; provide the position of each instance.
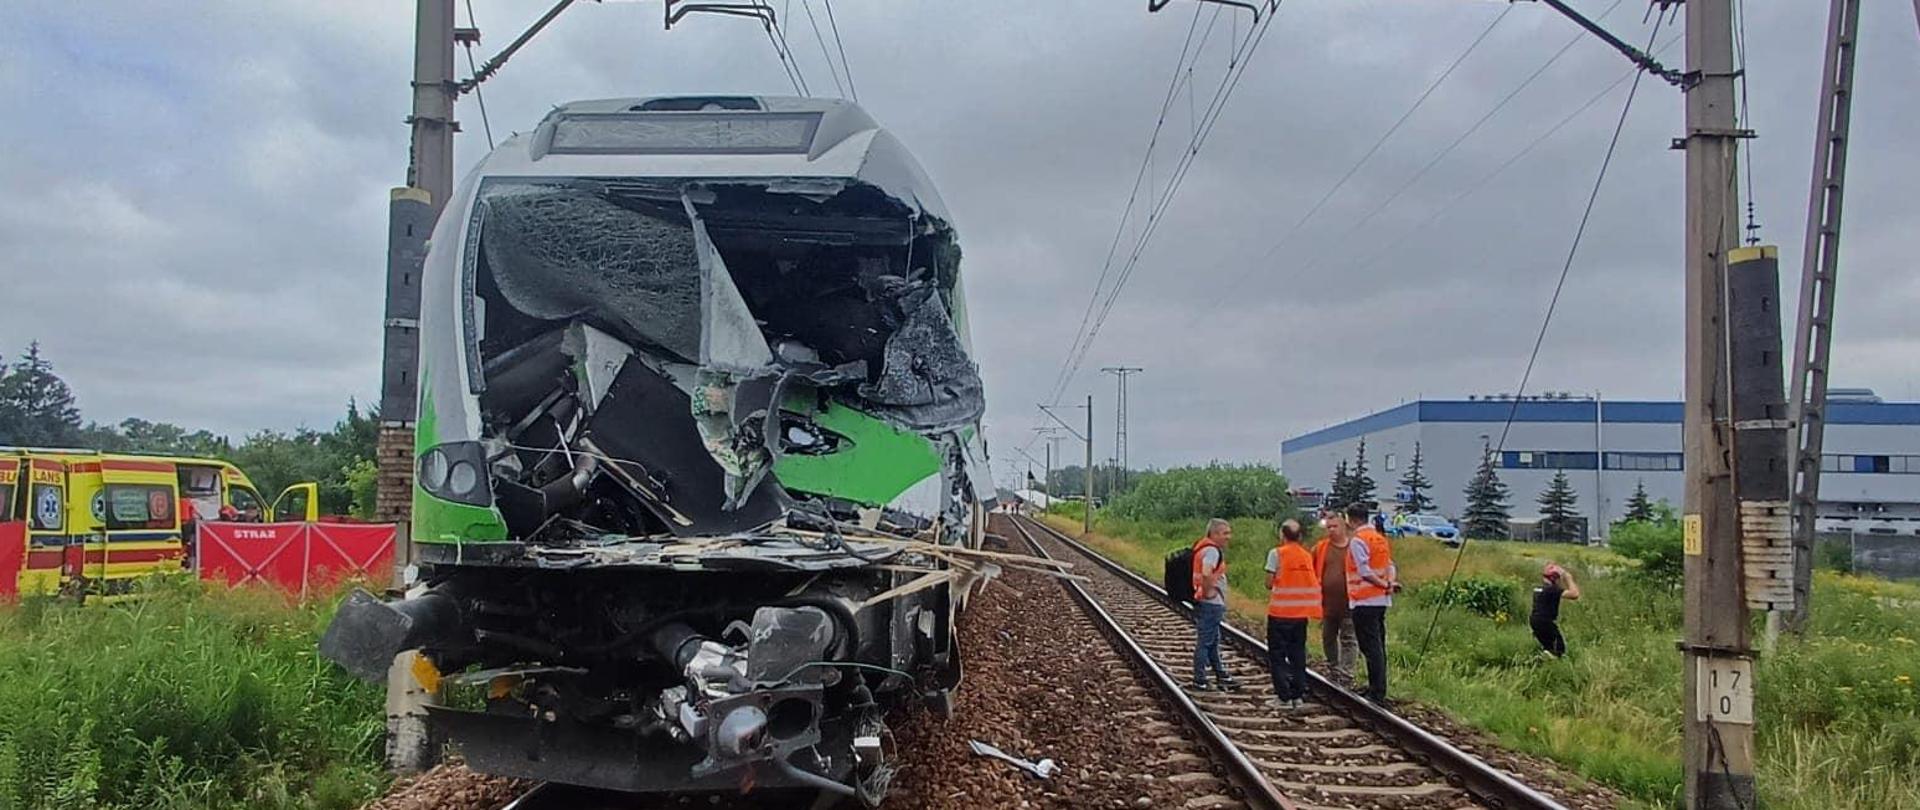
(877, 462)
(729, 339)
(597, 360)
(927, 379)
(653, 452)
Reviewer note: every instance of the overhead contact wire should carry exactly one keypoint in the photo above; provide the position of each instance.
(841, 46)
(807, 6)
(1133, 195)
(474, 69)
(1372, 150)
(1553, 303)
(1237, 67)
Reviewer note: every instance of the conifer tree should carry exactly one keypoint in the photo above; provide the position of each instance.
(1559, 517)
(1486, 514)
(1342, 486)
(36, 406)
(1415, 485)
(1639, 507)
(1361, 485)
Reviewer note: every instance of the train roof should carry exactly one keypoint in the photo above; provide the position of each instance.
(717, 137)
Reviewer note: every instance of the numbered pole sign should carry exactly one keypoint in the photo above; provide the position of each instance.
(1725, 690)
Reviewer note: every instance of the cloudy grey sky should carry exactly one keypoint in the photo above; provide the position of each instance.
(193, 223)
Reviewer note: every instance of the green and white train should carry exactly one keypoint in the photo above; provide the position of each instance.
(697, 394)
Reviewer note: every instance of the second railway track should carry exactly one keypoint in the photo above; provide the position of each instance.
(1342, 753)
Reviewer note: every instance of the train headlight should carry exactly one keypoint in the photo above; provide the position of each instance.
(433, 470)
(455, 471)
(463, 478)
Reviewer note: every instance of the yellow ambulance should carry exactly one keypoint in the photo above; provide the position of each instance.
(92, 523)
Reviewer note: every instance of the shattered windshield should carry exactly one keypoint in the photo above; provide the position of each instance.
(562, 253)
(625, 328)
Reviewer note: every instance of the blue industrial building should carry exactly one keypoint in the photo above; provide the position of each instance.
(1870, 482)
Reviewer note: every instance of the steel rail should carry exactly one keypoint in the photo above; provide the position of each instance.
(531, 799)
(1476, 776)
(1244, 773)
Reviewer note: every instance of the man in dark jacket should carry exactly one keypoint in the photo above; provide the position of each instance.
(1557, 583)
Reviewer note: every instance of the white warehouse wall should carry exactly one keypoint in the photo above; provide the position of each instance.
(1451, 434)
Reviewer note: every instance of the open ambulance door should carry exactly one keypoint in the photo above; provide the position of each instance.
(299, 502)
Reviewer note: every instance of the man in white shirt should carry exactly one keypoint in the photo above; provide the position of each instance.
(1210, 604)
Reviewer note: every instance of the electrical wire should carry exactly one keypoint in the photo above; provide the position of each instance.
(771, 26)
(1745, 116)
(1240, 58)
(1146, 164)
(841, 45)
(807, 6)
(1183, 74)
(787, 49)
(1371, 151)
(1347, 237)
(1452, 203)
(1540, 338)
(1084, 344)
(474, 69)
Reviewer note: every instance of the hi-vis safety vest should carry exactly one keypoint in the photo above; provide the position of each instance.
(1295, 590)
(1379, 560)
(1199, 558)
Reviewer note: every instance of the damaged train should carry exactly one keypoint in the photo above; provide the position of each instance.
(699, 429)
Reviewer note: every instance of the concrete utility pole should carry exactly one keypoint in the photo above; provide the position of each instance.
(1085, 437)
(1719, 657)
(411, 216)
(1048, 434)
(1089, 513)
(1120, 373)
(1048, 487)
(1819, 269)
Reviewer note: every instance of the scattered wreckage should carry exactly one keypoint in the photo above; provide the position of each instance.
(700, 482)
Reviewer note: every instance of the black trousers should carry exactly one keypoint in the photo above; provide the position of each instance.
(1548, 634)
(1287, 657)
(1370, 628)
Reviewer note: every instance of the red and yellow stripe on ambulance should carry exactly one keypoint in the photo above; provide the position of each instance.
(44, 502)
(124, 521)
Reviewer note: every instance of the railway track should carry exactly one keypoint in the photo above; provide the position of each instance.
(1342, 752)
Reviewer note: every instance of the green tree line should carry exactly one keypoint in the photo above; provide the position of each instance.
(38, 409)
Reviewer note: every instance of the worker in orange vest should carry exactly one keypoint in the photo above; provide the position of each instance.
(1293, 588)
(1372, 580)
(1210, 605)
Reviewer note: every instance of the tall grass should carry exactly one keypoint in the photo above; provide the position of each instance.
(1838, 710)
(185, 698)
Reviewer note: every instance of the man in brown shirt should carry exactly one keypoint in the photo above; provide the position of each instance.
(1337, 640)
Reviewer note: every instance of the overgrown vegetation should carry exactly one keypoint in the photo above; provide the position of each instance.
(38, 409)
(1216, 490)
(1490, 596)
(184, 698)
(1655, 544)
(1840, 714)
